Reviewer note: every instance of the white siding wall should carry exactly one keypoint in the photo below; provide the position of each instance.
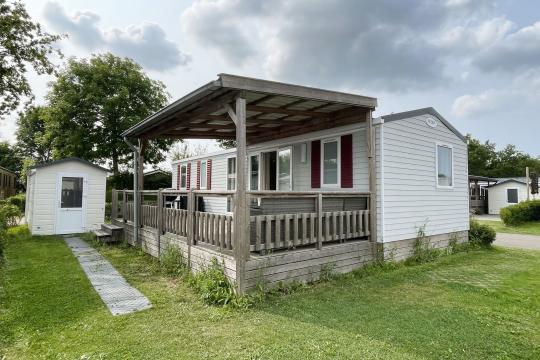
(301, 171)
(411, 196)
(497, 195)
(44, 202)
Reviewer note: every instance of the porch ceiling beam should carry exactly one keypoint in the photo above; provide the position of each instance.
(278, 110)
(306, 126)
(263, 99)
(206, 108)
(194, 135)
(284, 118)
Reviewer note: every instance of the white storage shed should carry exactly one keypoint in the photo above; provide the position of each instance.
(507, 192)
(65, 196)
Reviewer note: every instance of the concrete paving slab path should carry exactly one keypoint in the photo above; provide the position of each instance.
(120, 297)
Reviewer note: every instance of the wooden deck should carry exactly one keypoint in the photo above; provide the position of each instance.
(283, 247)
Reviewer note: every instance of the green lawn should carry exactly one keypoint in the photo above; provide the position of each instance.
(531, 228)
(476, 305)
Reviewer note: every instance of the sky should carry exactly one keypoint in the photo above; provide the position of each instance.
(477, 62)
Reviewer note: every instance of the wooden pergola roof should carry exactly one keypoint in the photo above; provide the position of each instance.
(273, 110)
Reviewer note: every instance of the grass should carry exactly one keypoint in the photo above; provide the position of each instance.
(480, 304)
(530, 228)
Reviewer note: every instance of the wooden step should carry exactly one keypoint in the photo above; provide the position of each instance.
(102, 235)
(115, 232)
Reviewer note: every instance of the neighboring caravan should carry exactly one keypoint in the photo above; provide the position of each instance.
(507, 191)
(315, 182)
(65, 196)
(8, 183)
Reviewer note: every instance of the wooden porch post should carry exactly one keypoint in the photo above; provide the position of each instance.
(241, 210)
(124, 206)
(114, 204)
(191, 224)
(372, 174)
(159, 220)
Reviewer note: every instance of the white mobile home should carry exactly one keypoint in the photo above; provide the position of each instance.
(507, 192)
(65, 196)
(421, 169)
(314, 182)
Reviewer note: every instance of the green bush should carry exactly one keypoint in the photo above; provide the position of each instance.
(519, 213)
(172, 261)
(9, 215)
(108, 210)
(480, 234)
(18, 200)
(213, 286)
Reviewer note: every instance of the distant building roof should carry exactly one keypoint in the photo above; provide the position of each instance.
(3, 168)
(156, 171)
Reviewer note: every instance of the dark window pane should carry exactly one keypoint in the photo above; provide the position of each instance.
(72, 192)
(512, 196)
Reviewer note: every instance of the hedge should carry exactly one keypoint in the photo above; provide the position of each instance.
(519, 213)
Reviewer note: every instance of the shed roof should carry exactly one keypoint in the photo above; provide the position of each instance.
(274, 110)
(56, 162)
(424, 111)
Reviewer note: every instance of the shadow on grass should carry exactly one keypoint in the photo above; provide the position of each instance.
(44, 288)
(443, 310)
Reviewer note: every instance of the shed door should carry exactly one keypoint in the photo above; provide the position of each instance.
(71, 204)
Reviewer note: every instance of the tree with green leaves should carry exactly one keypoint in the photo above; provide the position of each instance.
(485, 160)
(9, 157)
(22, 43)
(226, 144)
(32, 140)
(93, 101)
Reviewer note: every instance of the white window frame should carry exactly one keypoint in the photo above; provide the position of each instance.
(290, 148)
(437, 165)
(258, 155)
(204, 165)
(328, 140)
(227, 175)
(230, 199)
(517, 195)
(185, 182)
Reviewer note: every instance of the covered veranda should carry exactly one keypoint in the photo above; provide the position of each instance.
(249, 111)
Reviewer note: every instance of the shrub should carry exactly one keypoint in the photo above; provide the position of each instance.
(213, 286)
(108, 210)
(9, 215)
(172, 261)
(480, 234)
(519, 213)
(422, 250)
(18, 200)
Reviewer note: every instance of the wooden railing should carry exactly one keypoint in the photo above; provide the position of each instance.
(289, 231)
(277, 231)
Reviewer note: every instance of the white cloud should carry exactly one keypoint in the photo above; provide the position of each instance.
(517, 51)
(523, 91)
(145, 43)
(384, 45)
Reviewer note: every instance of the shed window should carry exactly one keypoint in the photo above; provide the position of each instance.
(72, 192)
(203, 175)
(512, 196)
(445, 176)
(330, 162)
(183, 176)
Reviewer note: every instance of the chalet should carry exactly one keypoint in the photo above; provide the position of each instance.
(321, 184)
